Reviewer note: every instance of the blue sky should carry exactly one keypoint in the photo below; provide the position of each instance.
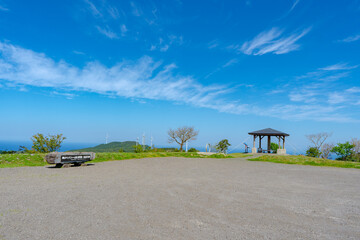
(85, 68)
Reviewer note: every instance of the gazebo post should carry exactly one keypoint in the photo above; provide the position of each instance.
(260, 141)
(269, 143)
(284, 142)
(254, 150)
(279, 141)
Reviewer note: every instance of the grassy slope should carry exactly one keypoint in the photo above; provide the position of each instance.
(303, 160)
(240, 155)
(22, 160)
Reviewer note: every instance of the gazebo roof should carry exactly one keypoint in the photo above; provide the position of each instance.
(268, 132)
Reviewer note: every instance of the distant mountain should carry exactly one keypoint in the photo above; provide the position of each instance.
(127, 146)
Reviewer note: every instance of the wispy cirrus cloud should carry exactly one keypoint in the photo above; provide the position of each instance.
(294, 5)
(107, 32)
(338, 66)
(5, 9)
(136, 11)
(164, 44)
(272, 41)
(64, 94)
(93, 9)
(324, 88)
(142, 79)
(225, 65)
(351, 38)
(106, 15)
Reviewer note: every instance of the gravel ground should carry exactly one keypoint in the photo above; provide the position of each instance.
(180, 198)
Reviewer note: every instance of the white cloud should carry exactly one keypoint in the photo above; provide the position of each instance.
(107, 32)
(351, 38)
(164, 48)
(93, 9)
(225, 65)
(324, 88)
(66, 95)
(144, 79)
(294, 5)
(123, 29)
(213, 44)
(353, 90)
(164, 44)
(336, 98)
(338, 66)
(136, 11)
(78, 52)
(272, 41)
(113, 12)
(230, 63)
(303, 96)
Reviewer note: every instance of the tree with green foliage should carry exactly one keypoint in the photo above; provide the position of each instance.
(45, 144)
(274, 147)
(313, 152)
(344, 150)
(182, 135)
(223, 146)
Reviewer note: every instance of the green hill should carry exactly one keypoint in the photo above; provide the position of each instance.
(127, 146)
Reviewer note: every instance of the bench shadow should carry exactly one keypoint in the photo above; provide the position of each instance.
(72, 165)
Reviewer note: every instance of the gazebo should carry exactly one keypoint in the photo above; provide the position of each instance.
(269, 132)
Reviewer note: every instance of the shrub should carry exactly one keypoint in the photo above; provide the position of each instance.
(274, 147)
(138, 148)
(313, 152)
(193, 150)
(344, 150)
(223, 146)
(44, 144)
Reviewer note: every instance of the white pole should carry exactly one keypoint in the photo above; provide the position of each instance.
(186, 145)
(143, 141)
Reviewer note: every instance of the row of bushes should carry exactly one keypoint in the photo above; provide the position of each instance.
(344, 151)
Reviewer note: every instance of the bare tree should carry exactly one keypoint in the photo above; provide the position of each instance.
(326, 150)
(182, 135)
(356, 144)
(318, 139)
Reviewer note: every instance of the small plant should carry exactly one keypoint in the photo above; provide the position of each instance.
(274, 147)
(313, 152)
(193, 150)
(121, 150)
(138, 149)
(223, 146)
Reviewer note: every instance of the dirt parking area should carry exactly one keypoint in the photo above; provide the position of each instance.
(180, 198)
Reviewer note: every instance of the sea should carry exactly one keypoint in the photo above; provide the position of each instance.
(67, 146)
